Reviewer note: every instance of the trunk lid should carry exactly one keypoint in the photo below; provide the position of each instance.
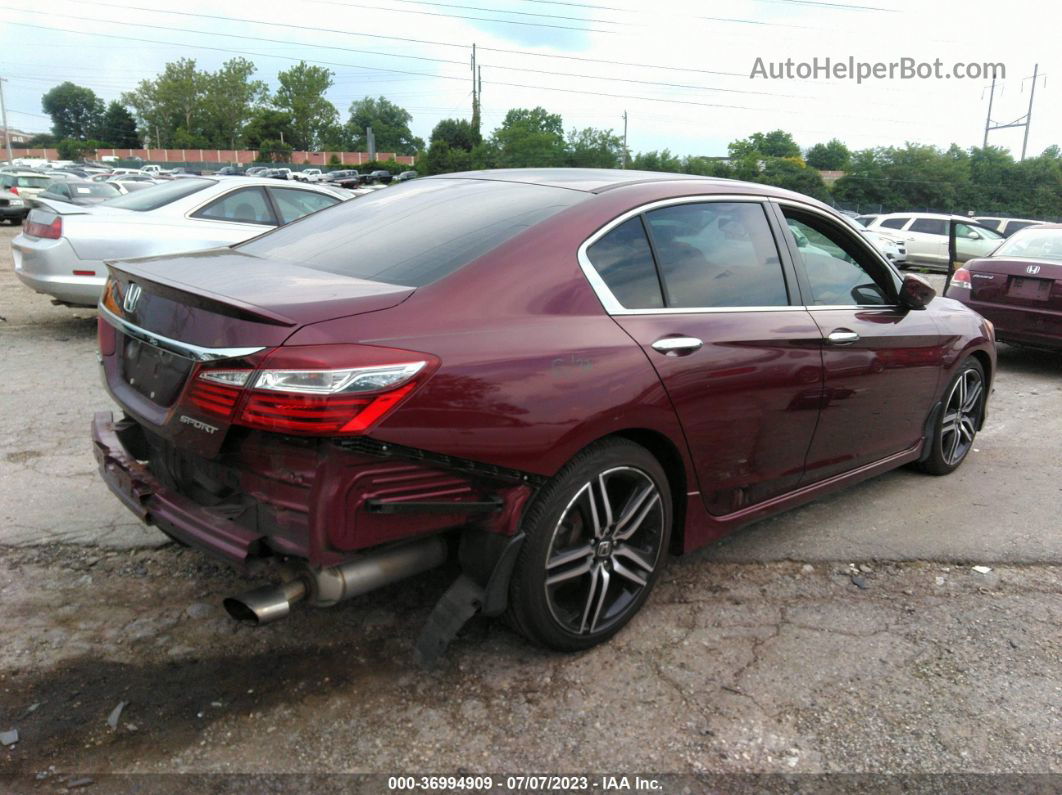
(193, 309)
(1017, 281)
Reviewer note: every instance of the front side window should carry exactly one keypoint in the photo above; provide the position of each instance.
(293, 203)
(245, 206)
(717, 254)
(976, 232)
(895, 223)
(839, 271)
(623, 260)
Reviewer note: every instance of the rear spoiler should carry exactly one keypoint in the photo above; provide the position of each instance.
(122, 270)
(60, 207)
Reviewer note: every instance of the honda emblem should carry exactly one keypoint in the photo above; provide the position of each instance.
(1032, 269)
(132, 295)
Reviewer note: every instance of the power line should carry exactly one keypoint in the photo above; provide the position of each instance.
(819, 3)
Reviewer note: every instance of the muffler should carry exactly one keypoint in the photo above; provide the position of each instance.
(326, 587)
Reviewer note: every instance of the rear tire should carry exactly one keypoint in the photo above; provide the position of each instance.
(956, 428)
(597, 536)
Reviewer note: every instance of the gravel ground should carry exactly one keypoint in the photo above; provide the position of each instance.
(850, 636)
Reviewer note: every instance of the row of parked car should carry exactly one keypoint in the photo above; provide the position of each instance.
(345, 178)
(922, 239)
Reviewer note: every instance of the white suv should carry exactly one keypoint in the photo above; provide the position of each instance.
(925, 236)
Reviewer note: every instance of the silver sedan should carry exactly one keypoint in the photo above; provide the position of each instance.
(62, 249)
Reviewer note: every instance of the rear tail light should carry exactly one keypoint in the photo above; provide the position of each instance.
(52, 231)
(961, 279)
(301, 390)
(14, 189)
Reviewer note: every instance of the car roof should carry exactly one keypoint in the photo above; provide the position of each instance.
(589, 180)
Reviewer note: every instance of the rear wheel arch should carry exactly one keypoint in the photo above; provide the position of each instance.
(665, 451)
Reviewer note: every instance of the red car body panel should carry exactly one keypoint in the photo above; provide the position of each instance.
(1022, 297)
(533, 369)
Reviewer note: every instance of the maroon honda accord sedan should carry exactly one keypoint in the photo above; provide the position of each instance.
(553, 377)
(1018, 287)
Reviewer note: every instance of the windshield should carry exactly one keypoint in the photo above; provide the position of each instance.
(159, 195)
(414, 233)
(1033, 243)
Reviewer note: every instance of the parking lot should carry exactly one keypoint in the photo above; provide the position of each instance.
(852, 635)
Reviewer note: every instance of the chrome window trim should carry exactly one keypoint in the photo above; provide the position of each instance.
(611, 303)
(185, 349)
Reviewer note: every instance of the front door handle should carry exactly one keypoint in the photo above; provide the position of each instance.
(677, 346)
(842, 336)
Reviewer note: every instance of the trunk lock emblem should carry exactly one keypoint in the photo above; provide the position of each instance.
(1032, 269)
(132, 295)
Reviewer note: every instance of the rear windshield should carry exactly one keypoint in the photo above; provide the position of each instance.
(1033, 243)
(26, 182)
(159, 195)
(415, 233)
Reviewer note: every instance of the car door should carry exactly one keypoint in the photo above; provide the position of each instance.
(975, 241)
(700, 285)
(927, 241)
(881, 361)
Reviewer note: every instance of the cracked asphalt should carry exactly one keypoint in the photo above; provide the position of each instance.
(849, 636)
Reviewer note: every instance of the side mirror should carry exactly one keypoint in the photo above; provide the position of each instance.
(974, 236)
(916, 292)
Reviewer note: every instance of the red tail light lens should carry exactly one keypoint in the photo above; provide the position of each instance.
(14, 189)
(52, 231)
(301, 390)
(961, 279)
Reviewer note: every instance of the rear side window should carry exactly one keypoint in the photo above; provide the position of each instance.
(246, 206)
(1014, 226)
(894, 223)
(160, 195)
(414, 233)
(930, 226)
(717, 254)
(623, 260)
(293, 203)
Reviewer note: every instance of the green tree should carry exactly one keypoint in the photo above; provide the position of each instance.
(782, 172)
(268, 124)
(118, 127)
(390, 126)
(663, 160)
(230, 98)
(302, 94)
(777, 143)
(529, 138)
(457, 134)
(830, 156)
(76, 111)
(172, 101)
(74, 149)
(275, 151)
(591, 148)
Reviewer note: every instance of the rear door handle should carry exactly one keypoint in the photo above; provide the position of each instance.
(677, 346)
(842, 336)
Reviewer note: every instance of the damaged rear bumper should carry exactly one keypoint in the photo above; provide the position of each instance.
(133, 484)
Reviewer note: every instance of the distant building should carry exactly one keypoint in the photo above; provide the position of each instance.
(17, 136)
(830, 177)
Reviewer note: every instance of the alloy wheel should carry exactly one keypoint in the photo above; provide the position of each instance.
(604, 550)
(962, 413)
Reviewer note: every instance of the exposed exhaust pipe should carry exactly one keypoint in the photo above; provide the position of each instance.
(326, 587)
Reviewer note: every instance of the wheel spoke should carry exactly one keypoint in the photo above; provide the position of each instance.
(623, 571)
(570, 574)
(950, 423)
(952, 448)
(967, 428)
(602, 495)
(595, 519)
(972, 397)
(603, 577)
(628, 529)
(622, 550)
(636, 501)
(595, 576)
(563, 558)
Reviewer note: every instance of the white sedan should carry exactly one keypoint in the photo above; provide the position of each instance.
(62, 249)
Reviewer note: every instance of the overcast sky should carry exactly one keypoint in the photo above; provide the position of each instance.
(709, 47)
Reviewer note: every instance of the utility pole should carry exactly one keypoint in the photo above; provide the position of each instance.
(475, 92)
(1021, 121)
(3, 119)
(1028, 116)
(988, 119)
(624, 161)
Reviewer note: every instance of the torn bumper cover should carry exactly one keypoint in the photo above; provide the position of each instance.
(178, 516)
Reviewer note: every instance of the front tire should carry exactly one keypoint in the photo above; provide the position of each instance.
(597, 536)
(956, 427)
